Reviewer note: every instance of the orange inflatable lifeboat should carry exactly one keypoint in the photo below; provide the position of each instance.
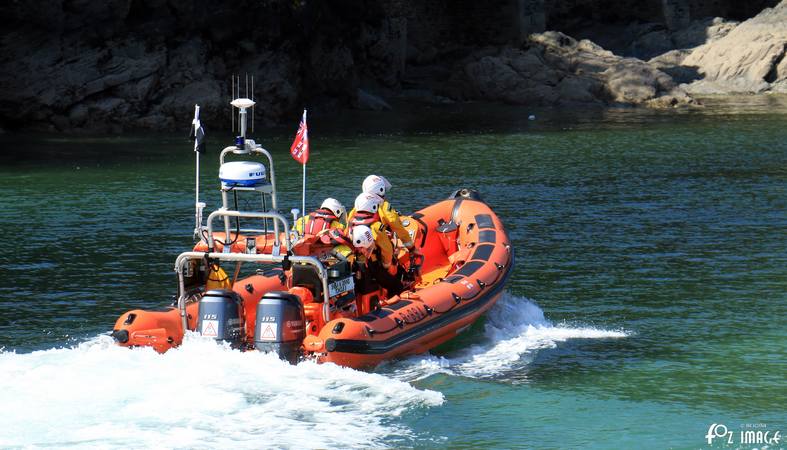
(312, 306)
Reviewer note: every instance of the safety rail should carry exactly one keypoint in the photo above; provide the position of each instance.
(183, 258)
(251, 215)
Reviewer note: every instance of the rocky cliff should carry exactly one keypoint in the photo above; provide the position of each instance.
(554, 69)
(748, 59)
(120, 64)
(141, 64)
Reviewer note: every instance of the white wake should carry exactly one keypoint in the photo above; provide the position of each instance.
(201, 395)
(206, 395)
(514, 331)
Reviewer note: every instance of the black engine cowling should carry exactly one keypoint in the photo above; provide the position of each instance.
(220, 316)
(280, 325)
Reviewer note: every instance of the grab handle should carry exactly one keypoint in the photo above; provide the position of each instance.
(251, 215)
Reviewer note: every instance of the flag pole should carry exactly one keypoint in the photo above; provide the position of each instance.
(197, 209)
(303, 194)
(196, 144)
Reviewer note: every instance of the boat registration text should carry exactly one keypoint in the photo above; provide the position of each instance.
(341, 286)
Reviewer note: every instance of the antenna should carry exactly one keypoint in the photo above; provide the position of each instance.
(242, 104)
(237, 95)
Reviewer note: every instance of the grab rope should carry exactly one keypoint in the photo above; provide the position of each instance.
(481, 285)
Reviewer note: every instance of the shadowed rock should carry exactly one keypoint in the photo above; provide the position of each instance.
(120, 64)
(556, 69)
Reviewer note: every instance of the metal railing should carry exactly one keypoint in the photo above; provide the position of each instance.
(183, 258)
(251, 215)
(257, 149)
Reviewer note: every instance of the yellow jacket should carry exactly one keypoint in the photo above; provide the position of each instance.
(382, 243)
(389, 218)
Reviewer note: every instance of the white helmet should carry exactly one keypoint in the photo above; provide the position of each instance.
(375, 184)
(335, 206)
(367, 202)
(362, 237)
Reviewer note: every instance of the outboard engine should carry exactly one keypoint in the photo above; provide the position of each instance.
(280, 325)
(220, 316)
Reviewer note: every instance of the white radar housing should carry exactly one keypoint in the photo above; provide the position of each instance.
(243, 174)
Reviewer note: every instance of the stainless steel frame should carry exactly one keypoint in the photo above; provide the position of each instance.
(274, 198)
(261, 151)
(183, 258)
(252, 215)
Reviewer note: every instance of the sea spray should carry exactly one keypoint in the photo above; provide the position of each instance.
(514, 330)
(202, 394)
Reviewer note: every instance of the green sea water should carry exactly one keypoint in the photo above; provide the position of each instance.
(648, 301)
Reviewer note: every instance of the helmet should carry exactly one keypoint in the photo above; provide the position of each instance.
(367, 202)
(335, 206)
(375, 184)
(362, 237)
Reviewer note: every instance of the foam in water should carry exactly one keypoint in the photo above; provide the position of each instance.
(206, 395)
(515, 328)
(202, 394)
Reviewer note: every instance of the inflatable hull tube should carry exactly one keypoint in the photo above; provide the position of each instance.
(162, 329)
(463, 280)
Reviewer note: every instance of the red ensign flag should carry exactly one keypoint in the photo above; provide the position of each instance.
(300, 146)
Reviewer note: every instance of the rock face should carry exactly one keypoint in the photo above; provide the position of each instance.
(555, 69)
(74, 65)
(142, 64)
(645, 40)
(749, 59)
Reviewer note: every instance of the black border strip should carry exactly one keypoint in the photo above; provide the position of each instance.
(484, 221)
(381, 347)
(487, 236)
(371, 316)
(453, 279)
(469, 268)
(483, 252)
(400, 304)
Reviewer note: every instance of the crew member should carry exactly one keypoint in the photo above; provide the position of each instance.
(329, 216)
(372, 249)
(366, 212)
(341, 244)
(389, 217)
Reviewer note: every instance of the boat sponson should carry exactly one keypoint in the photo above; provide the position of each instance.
(441, 310)
(364, 346)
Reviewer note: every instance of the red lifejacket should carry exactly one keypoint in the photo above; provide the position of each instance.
(336, 237)
(319, 220)
(364, 218)
(368, 219)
